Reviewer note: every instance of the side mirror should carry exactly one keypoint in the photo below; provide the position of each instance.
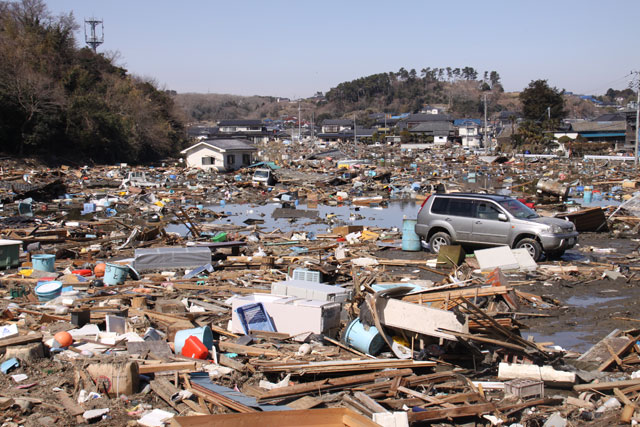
(502, 217)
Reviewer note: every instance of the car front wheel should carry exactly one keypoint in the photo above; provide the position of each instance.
(439, 240)
(532, 246)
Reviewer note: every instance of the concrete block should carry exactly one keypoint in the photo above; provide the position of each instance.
(498, 257)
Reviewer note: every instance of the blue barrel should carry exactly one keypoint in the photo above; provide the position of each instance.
(587, 194)
(410, 240)
(204, 334)
(46, 291)
(115, 274)
(367, 341)
(44, 262)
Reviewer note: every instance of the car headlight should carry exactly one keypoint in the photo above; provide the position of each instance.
(556, 229)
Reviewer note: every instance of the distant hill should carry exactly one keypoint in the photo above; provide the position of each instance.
(459, 90)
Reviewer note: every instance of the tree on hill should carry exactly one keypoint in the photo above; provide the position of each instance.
(539, 101)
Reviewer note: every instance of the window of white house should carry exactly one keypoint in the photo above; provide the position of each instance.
(246, 159)
(208, 161)
(231, 159)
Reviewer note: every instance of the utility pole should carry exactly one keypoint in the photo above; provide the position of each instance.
(299, 125)
(355, 130)
(487, 145)
(635, 160)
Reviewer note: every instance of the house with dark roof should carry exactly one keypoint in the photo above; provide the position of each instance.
(253, 130)
(221, 155)
(336, 125)
(441, 131)
(413, 120)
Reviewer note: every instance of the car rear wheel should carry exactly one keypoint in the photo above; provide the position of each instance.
(439, 240)
(532, 246)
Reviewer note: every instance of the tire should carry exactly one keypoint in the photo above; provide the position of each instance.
(554, 254)
(532, 246)
(438, 240)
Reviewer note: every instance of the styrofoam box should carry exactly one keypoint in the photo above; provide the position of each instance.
(291, 315)
(310, 290)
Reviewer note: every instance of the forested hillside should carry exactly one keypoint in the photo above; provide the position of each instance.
(61, 101)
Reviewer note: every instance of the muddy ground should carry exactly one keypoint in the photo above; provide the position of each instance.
(590, 306)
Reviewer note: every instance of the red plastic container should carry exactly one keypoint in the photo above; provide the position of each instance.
(194, 348)
(83, 272)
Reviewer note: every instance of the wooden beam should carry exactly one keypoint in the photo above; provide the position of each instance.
(164, 367)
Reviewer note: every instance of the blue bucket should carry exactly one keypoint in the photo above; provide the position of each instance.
(367, 341)
(204, 334)
(46, 291)
(115, 274)
(410, 240)
(44, 262)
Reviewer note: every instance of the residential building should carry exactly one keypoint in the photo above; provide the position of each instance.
(469, 132)
(221, 155)
(336, 125)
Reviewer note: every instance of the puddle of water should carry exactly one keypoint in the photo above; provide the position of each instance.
(387, 217)
(588, 301)
(569, 340)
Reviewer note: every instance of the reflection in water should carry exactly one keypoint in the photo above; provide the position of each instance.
(328, 216)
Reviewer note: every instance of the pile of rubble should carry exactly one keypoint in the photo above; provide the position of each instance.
(138, 296)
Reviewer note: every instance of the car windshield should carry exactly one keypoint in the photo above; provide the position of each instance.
(261, 174)
(518, 209)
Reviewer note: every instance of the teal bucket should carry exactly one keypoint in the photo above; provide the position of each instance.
(204, 334)
(410, 240)
(46, 291)
(367, 341)
(115, 274)
(44, 262)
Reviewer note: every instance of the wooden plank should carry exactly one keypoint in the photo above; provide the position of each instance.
(618, 353)
(332, 383)
(20, 340)
(311, 417)
(454, 294)
(607, 385)
(456, 412)
(305, 402)
(164, 367)
(163, 388)
(246, 350)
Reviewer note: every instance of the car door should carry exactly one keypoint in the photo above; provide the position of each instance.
(487, 227)
(460, 216)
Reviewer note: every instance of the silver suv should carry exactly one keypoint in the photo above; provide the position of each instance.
(492, 220)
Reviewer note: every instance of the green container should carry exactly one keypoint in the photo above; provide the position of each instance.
(9, 253)
(220, 237)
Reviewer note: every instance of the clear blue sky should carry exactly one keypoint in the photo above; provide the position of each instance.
(295, 48)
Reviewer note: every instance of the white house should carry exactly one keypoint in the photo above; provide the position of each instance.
(221, 155)
(469, 134)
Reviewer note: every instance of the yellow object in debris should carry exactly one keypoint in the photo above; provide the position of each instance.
(401, 341)
(369, 235)
(159, 203)
(26, 272)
